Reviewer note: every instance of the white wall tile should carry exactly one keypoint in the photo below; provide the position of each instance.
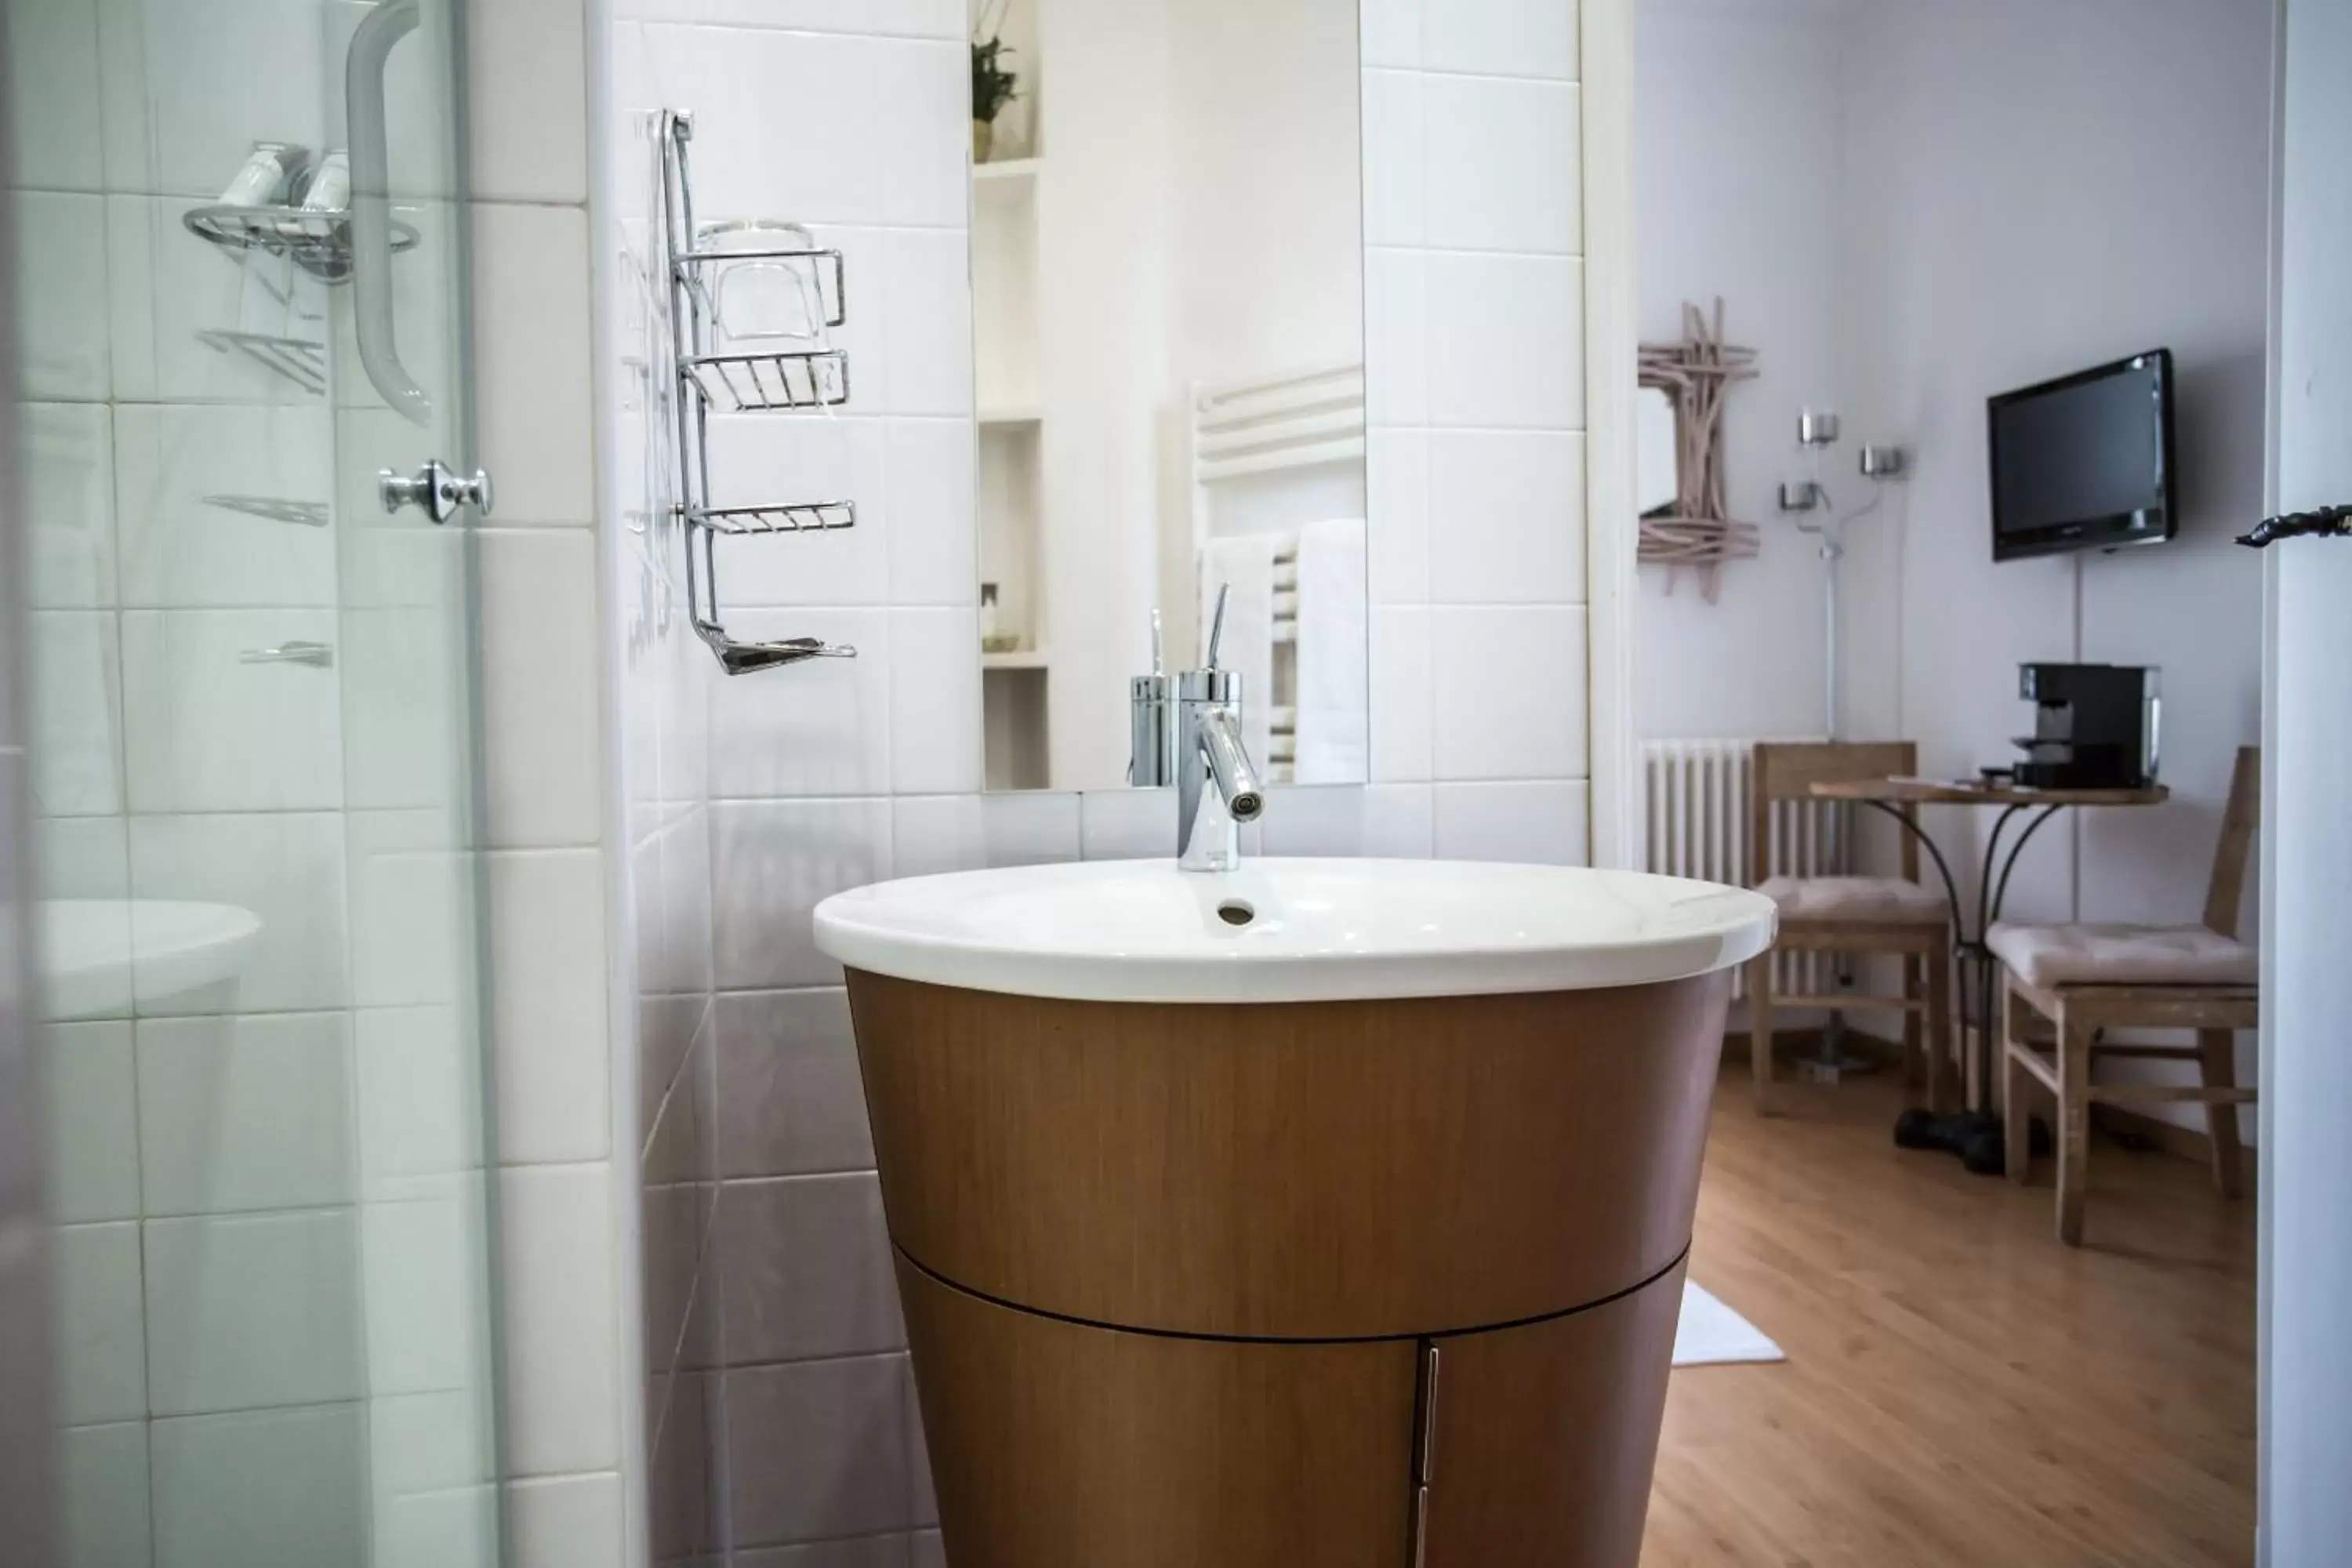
(276, 1488)
(541, 706)
(927, 289)
(1395, 211)
(821, 728)
(562, 1325)
(935, 704)
(1127, 824)
(791, 1101)
(775, 861)
(929, 499)
(67, 450)
(286, 868)
(94, 1161)
(1031, 828)
(1399, 821)
(1392, 30)
(532, 384)
(759, 457)
(411, 909)
(76, 713)
(755, 92)
(817, 1449)
(64, 313)
(567, 1522)
(1397, 482)
(1507, 341)
(1502, 37)
(103, 1496)
(926, 86)
(1514, 680)
(206, 728)
(1537, 821)
(425, 1298)
(932, 834)
(250, 1112)
(1397, 350)
(248, 1310)
(419, 1097)
(1319, 821)
(1402, 698)
(52, 60)
(528, 67)
(867, 18)
(178, 550)
(1513, 524)
(1513, 165)
(928, 1550)
(100, 1324)
(549, 1005)
(808, 1270)
(921, 1486)
(169, 129)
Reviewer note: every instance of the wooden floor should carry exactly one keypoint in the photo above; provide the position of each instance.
(1960, 1388)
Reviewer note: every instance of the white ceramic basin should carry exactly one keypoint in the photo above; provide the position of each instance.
(98, 956)
(1291, 931)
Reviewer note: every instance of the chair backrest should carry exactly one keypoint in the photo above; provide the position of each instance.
(2239, 818)
(1787, 770)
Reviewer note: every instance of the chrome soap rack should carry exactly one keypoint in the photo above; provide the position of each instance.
(727, 367)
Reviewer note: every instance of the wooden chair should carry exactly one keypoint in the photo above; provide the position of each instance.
(1895, 915)
(2086, 979)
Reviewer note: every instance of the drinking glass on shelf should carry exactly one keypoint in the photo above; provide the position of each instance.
(765, 298)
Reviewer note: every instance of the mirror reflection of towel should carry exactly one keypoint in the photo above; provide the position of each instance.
(1246, 561)
(1334, 684)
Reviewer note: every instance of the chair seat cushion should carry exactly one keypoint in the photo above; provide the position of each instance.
(2123, 955)
(1887, 899)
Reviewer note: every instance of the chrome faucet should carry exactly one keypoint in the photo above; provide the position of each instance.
(1209, 752)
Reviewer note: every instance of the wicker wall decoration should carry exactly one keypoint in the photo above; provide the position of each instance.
(1697, 374)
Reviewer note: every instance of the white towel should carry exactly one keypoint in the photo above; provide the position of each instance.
(1333, 685)
(1246, 561)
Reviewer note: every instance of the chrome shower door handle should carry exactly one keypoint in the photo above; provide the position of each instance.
(316, 654)
(385, 24)
(436, 489)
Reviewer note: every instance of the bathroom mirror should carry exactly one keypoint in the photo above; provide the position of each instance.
(1168, 288)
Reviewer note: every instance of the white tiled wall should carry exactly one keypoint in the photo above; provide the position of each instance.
(778, 1414)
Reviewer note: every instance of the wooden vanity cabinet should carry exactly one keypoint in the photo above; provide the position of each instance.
(1542, 1438)
(1058, 1444)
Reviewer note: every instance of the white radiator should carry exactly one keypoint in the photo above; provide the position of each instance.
(1700, 799)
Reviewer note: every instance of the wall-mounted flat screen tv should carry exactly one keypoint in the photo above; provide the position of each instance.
(2085, 462)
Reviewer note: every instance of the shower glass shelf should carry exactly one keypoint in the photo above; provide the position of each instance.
(766, 381)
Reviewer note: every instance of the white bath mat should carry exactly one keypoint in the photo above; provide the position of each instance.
(1707, 1333)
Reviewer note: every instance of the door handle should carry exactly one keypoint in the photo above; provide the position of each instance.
(436, 489)
(2326, 522)
(385, 24)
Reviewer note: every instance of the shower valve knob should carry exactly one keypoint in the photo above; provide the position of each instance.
(436, 489)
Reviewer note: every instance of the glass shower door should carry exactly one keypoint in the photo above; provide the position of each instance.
(242, 267)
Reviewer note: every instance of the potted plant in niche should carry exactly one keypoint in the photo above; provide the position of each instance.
(993, 85)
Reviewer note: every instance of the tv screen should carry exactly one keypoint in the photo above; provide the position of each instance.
(2084, 462)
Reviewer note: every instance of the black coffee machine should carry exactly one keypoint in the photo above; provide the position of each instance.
(2094, 726)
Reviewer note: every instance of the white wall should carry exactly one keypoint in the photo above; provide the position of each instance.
(2015, 216)
(1740, 182)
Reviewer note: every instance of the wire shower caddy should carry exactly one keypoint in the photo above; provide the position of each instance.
(720, 372)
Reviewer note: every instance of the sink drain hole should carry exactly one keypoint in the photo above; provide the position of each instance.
(1234, 912)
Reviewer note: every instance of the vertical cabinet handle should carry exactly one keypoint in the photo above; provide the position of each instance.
(1424, 1454)
(385, 24)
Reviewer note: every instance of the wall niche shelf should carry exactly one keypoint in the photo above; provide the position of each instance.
(751, 374)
